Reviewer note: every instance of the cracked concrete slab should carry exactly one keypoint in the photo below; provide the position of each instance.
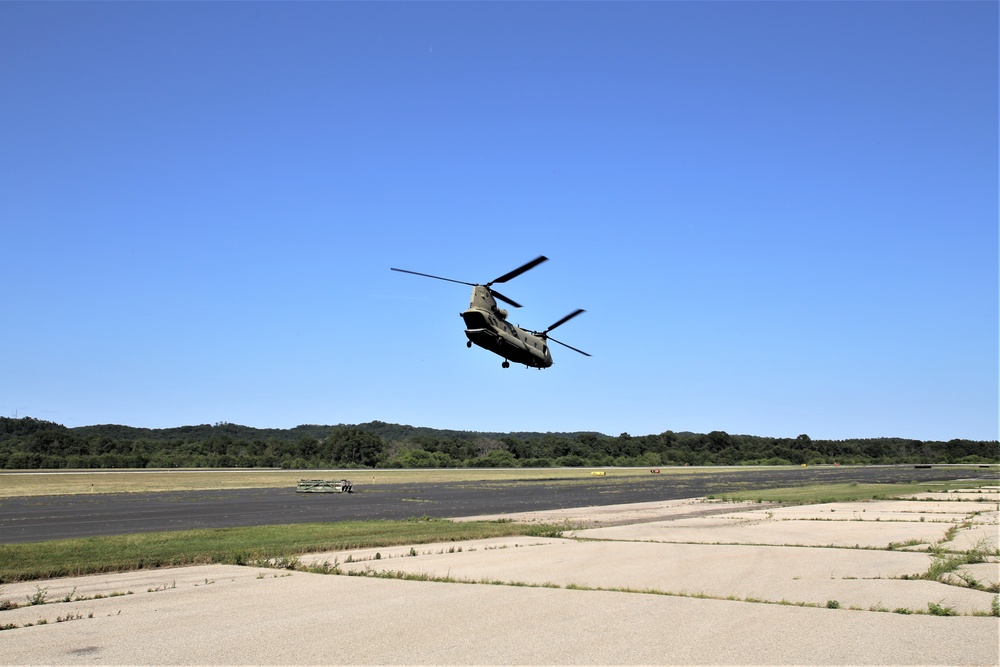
(679, 598)
(983, 538)
(787, 575)
(611, 515)
(897, 510)
(308, 618)
(732, 529)
(964, 495)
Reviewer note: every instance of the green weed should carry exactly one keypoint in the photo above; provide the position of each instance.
(39, 596)
(939, 610)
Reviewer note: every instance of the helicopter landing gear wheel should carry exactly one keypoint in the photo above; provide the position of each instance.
(505, 364)
(468, 343)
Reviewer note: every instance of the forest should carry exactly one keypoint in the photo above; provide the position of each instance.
(28, 443)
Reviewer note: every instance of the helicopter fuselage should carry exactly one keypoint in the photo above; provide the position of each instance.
(486, 325)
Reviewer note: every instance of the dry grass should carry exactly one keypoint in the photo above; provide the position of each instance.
(69, 482)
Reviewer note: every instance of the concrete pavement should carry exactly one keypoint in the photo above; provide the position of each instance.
(692, 582)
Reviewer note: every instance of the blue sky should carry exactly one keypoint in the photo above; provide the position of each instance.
(781, 217)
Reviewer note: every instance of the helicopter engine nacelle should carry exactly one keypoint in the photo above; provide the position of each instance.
(501, 313)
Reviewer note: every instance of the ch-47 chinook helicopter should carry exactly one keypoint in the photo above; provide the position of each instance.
(486, 325)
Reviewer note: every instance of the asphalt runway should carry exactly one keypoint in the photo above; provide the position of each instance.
(41, 518)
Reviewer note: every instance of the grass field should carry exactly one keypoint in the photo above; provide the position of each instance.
(72, 482)
(238, 546)
(830, 493)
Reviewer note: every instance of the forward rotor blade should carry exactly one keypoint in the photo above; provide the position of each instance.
(427, 275)
(564, 321)
(504, 299)
(518, 271)
(569, 346)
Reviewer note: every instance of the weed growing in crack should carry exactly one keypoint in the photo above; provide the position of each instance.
(279, 563)
(324, 568)
(8, 604)
(943, 564)
(69, 617)
(164, 587)
(935, 609)
(39, 596)
(908, 543)
(981, 552)
(946, 562)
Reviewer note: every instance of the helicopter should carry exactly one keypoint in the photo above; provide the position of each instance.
(486, 324)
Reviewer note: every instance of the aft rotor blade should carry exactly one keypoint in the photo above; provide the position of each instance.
(504, 299)
(564, 321)
(518, 271)
(427, 275)
(569, 346)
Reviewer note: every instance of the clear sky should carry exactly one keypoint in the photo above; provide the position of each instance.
(780, 217)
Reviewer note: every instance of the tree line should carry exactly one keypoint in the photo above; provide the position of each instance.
(28, 443)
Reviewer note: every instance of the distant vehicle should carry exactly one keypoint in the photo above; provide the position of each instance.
(486, 324)
(324, 486)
